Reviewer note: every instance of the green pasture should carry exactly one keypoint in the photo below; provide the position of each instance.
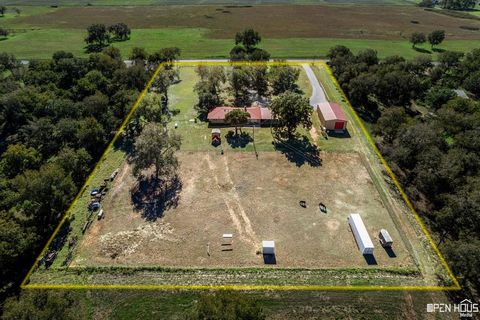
(42, 43)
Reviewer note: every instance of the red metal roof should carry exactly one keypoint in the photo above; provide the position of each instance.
(332, 111)
(337, 109)
(256, 113)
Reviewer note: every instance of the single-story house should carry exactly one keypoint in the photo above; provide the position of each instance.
(332, 116)
(258, 115)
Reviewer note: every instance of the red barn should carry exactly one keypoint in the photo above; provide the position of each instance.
(332, 116)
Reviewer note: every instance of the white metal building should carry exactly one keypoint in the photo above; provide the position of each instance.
(364, 242)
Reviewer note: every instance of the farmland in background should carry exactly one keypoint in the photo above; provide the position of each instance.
(206, 31)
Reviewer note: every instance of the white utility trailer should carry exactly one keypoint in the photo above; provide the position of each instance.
(364, 242)
(385, 238)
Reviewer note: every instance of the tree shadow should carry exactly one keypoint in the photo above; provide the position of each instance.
(125, 144)
(422, 50)
(154, 197)
(91, 48)
(299, 150)
(438, 50)
(238, 140)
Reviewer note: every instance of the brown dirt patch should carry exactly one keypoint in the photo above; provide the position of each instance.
(272, 21)
(234, 193)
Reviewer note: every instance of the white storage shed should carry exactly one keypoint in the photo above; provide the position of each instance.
(268, 247)
(385, 238)
(364, 242)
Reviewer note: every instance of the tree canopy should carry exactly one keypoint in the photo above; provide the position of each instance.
(236, 118)
(291, 110)
(436, 37)
(56, 117)
(417, 38)
(249, 38)
(99, 35)
(283, 78)
(155, 147)
(209, 88)
(458, 4)
(246, 49)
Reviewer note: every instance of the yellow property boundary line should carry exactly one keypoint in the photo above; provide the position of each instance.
(456, 286)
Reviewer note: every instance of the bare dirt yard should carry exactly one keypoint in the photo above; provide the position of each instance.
(255, 199)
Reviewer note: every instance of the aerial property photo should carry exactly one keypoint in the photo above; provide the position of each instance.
(260, 190)
(247, 159)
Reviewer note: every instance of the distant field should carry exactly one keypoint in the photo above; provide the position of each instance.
(272, 22)
(207, 31)
(202, 2)
(41, 44)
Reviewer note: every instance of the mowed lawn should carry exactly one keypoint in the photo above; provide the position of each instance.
(208, 31)
(196, 136)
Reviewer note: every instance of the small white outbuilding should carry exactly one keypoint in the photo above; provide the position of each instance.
(385, 238)
(364, 242)
(268, 247)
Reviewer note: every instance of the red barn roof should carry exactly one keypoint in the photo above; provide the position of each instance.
(332, 111)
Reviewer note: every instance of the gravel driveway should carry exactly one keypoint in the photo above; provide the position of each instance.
(318, 95)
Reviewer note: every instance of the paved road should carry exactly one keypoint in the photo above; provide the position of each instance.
(318, 95)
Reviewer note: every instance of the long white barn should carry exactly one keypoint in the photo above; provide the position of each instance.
(364, 242)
